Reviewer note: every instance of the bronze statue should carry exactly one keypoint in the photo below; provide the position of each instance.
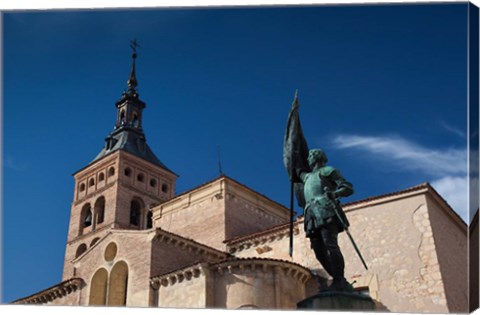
(318, 188)
(324, 218)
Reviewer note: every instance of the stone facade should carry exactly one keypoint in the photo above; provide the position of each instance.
(412, 241)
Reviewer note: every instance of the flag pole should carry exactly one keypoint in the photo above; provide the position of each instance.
(291, 220)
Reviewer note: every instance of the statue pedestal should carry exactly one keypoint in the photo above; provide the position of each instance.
(337, 301)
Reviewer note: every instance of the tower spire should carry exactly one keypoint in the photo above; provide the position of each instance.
(132, 80)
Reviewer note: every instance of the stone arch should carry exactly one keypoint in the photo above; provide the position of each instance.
(98, 288)
(118, 284)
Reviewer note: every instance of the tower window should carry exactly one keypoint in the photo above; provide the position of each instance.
(91, 182)
(165, 188)
(135, 211)
(101, 177)
(94, 241)
(122, 117)
(100, 209)
(85, 218)
(82, 187)
(88, 219)
(135, 120)
(80, 250)
(141, 177)
(111, 171)
(128, 171)
(153, 182)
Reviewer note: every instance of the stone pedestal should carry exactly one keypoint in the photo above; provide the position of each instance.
(337, 301)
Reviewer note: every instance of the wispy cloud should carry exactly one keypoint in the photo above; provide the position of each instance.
(407, 154)
(15, 165)
(454, 190)
(453, 130)
(445, 169)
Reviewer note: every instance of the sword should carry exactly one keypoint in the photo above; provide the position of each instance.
(345, 227)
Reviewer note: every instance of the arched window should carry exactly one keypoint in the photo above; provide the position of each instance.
(86, 216)
(80, 250)
(100, 209)
(98, 288)
(165, 188)
(135, 212)
(94, 241)
(135, 120)
(122, 117)
(140, 177)
(101, 177)
(111, 171)
(82, 187)
(153, 182)
(117, 289)
(128, 171)
(91, 182)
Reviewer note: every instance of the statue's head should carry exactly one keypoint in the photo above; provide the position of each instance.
(317, 156)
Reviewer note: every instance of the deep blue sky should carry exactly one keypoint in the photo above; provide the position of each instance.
(383, 89)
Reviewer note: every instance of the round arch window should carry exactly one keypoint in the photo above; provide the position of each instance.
(82, 187)
(141, 177)
(110, 252)
(111, 171)
(128, 171)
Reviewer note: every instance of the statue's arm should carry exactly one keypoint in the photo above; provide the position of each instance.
(344, 188)
(302, 174)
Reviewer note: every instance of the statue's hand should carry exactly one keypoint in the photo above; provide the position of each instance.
(330, 194)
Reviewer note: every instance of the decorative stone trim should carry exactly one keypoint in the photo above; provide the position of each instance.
(242, 265)
(188, 245)
(82, 237)
(58, 291)
(93, 193)
(178, 276)
(263, 238)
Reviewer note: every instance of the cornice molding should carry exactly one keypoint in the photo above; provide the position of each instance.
(58, 291)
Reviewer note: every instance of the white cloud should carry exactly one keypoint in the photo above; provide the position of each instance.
(445, 169)
(407, 154)
(454, 191)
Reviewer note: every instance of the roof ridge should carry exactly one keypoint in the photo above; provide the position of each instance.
(286, 225)
(196, 243)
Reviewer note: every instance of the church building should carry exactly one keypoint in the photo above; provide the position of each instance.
(125, 245)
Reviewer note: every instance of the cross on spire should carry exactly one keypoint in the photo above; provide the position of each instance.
(134, 45)
(132, 81)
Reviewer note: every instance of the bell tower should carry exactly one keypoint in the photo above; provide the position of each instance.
(118, 188)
